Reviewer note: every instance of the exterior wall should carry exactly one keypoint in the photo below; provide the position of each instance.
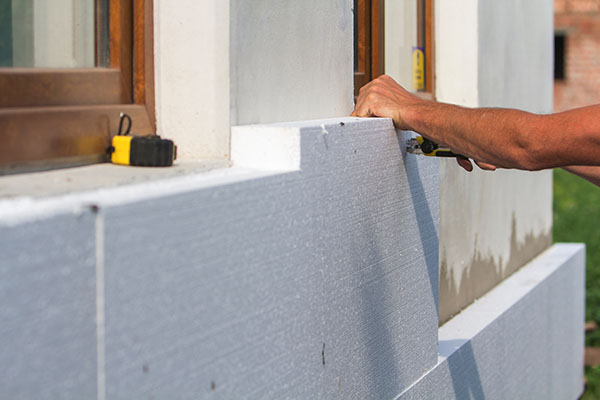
(492, 223)
(310, 268)
(285, 68)
(522, 340)
(580, 21)
(191, 49)
(48, 314)
(307, 280)
(272, 76)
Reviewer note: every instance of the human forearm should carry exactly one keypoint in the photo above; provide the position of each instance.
(502, 137)
(591, 174)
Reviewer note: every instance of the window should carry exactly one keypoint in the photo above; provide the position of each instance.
(395, 38)
(67, 70)
(560, 40)
(368, 41)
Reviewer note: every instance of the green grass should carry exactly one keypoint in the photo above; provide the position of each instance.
(576, 219)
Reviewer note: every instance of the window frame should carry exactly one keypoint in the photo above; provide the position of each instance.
(370, 44)
(425, 15)
(65, 117)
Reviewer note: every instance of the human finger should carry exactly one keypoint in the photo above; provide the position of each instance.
(465, 163)
(485, 166)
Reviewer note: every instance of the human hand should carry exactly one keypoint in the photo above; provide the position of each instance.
(467, 165)
(383, 97)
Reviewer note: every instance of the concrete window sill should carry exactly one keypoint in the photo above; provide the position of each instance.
(80, 179)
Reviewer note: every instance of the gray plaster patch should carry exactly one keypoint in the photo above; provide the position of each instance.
(483, 273)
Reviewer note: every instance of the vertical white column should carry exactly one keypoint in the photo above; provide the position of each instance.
(192, 76)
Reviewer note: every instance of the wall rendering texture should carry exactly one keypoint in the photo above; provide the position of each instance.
(496, 54)
(191, 52)
(291, 60)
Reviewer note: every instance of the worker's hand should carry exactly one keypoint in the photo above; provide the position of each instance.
(467, 165)
(383, 97)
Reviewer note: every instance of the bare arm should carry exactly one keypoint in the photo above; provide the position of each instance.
(503, 137)
(591, 174)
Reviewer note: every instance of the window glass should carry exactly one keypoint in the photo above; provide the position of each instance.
(559, 56)
(53, 33)
(405, 42)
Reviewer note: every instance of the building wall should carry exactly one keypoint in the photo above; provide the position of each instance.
(191, 49)
(308, 269)
(579, 20)
(491, 223)
(290, 60)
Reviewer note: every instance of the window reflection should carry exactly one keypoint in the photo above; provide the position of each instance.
(53, 33)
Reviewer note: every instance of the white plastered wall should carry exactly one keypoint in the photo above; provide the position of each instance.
(192, 76)
(496, 54)
(282, 68)
(290, 60)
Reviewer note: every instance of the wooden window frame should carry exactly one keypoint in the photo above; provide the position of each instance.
(425, 32)
(64, 117)
(371, 42)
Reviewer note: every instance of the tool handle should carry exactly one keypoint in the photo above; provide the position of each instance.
(448, 153)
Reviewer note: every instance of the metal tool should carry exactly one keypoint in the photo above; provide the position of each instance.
(426, 147)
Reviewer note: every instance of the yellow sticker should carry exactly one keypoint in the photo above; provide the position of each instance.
(418, 58)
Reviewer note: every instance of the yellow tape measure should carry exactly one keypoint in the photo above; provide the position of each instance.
(145, 151)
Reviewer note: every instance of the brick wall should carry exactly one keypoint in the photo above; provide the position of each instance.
(580, 21)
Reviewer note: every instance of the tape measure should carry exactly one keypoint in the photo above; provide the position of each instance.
(143, 151)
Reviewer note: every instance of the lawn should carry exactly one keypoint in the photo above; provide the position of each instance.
(576, 219)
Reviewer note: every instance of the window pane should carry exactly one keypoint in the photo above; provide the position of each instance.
(405, 42)
(559, 56)
(53, 33)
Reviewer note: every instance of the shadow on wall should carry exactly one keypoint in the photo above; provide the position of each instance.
(386, 374)
(425, 222)
(466, 381)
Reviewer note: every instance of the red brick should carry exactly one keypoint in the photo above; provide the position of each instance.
(581, 20)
